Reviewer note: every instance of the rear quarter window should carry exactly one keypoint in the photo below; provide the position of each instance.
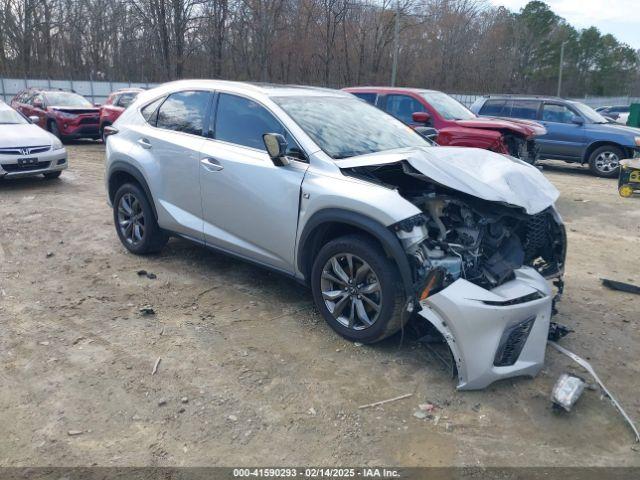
(526, 109)
(495, 108)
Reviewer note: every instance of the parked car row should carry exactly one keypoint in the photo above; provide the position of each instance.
(575, 132)
(68, 115)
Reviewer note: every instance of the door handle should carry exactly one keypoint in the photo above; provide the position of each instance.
(211, 164)
(144, 143)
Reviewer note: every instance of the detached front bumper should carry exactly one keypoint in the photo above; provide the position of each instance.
(493, 334)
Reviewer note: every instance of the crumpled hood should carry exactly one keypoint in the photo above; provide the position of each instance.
(480, 173)
(23, 135)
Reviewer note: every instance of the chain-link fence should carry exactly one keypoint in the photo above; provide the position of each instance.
(97, 92)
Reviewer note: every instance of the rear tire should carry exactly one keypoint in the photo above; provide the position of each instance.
(605, 161)
(373, 280)
(135, 222)
(52, 175)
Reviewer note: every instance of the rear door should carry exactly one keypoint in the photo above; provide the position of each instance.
(250, 206)
(564, 139)
(169, 148)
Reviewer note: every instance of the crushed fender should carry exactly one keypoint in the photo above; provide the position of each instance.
(584, 364)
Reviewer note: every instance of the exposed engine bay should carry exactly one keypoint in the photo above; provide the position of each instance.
(461, 236)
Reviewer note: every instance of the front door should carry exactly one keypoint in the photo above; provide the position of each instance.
(250, 206)
(564, 139)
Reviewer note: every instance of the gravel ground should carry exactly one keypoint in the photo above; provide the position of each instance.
(250, 374)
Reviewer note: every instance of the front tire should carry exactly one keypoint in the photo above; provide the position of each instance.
(358, 289)
(135, 222)
(605, 161)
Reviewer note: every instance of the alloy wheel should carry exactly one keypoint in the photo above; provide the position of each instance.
(607, 162)
(131, 219)
(351, 291)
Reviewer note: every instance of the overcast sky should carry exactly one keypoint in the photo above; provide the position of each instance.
(621, 18)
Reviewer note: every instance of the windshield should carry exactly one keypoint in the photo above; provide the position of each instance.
(448, 107)
(67, 99)
(8, 116)
(589, 113)
(347, 126)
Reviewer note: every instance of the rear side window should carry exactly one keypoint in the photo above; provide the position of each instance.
(367, 97)
(184, 112)
(243, 122)
(527, 109)
(494, 108)
(149, 112)
(403, 106)
(552, 112)
(126, 99)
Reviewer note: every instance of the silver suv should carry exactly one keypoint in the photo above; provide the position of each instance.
(323, 187)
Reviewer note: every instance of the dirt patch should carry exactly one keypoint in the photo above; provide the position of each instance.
(250, 374)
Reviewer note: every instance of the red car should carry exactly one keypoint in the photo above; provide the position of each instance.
(66, 114)
(116, 103)
(456, 125)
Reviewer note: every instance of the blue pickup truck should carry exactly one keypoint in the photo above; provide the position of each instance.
(575, 132)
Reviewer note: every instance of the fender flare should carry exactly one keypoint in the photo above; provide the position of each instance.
(386, 237)
(120, 166)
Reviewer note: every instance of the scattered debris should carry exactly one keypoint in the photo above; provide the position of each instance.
(621, 286)
(162, 402)
(50, 254)
(149, 275)
(184, 400)
(420, 414)
(427, 407)
(389, 400)
(73, 433)
(312, 412)
(557, 331)
(567, 391)
(357, 344)
(584, 364)
(181, 410)
(233, 418)
(147, 310)
(155, 366)
(45, 343)
(78, 340)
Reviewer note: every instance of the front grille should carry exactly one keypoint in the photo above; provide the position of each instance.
(537, 235)
(512, 343)
(88, 120)
(24, 151)
(14, 167)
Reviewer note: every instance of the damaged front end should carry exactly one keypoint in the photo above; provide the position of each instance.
(481, 271)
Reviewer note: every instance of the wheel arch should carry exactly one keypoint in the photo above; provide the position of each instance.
(602, 143)
(331, 223)
(121, 173)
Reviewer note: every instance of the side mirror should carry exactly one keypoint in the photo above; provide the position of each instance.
(420, 117)
(577, 120)
(34, 119)
(276, 148)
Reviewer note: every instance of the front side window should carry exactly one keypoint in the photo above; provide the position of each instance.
(552, 112)
(345, 126)
(67, 99)
(243, 122)
(184, 112)
(447, 107)
(403, 106)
